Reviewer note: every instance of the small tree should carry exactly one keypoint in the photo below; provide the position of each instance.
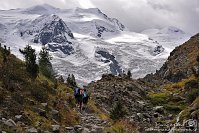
(196, 72)
(129, 74)
(45, 65)
(6, 53)
(71, 80)
(118, 111)
(61, 79)
(30, 60)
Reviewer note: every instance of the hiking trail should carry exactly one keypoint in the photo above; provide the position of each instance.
(89, 123)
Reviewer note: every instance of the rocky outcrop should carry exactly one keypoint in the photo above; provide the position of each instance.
(67, 49)
(115, 21)
(114, 65)
(101, 29)
(55, 34)
(157, 50)
(56, 31)
(110, 89)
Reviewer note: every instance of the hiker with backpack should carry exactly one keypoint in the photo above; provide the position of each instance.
(81, 97)
(85, 97)
(79, 93)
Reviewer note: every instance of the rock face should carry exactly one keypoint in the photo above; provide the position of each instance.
(158, 49)
(111, 89)
(100, 30)
(67, 49)
(56, 31)
(56, 34)
(114, 65)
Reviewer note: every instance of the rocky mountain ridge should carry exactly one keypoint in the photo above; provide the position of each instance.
(132, 93)
(181, 64)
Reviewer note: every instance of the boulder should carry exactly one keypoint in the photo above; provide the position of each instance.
(55, 114)
(69, 128)
(10, 123)
(32, 130)
(44, 104)
(18, 117)
(85, 130)
(41, 112)
(159, 109)
(56, 128)
(77, 127)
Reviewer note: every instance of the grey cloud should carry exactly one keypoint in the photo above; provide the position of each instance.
(142, 14)
(137, 15)
(10, 4)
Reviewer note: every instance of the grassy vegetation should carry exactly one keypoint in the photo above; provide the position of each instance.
(173, 97)
(20, 94)
(191, 111)
(93, 108)
(122, 126)
(158, 98)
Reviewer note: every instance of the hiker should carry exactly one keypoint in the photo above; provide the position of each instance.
(76, 95)
(85, 97)
(80, 98)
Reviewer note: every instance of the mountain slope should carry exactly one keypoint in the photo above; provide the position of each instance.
(176, 85)
(181, 62)
(110, 90)
(28, 105)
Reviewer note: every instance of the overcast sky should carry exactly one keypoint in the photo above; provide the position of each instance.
(136, 15)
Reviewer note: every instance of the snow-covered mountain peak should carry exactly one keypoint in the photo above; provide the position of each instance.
(41, 9)
(54, 30)
(97, 14)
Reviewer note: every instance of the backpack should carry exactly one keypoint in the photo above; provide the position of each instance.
(77, 91)
(85, 94)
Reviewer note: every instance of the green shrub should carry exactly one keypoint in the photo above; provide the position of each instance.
(119, 129)
(172, 108)
(18, 98)
(192, 88)
(192, 95)
(191, 84)
(158, 98)
(39, 93)
(2, 96)
(45, 65)
(118, 111)
(71, 101)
